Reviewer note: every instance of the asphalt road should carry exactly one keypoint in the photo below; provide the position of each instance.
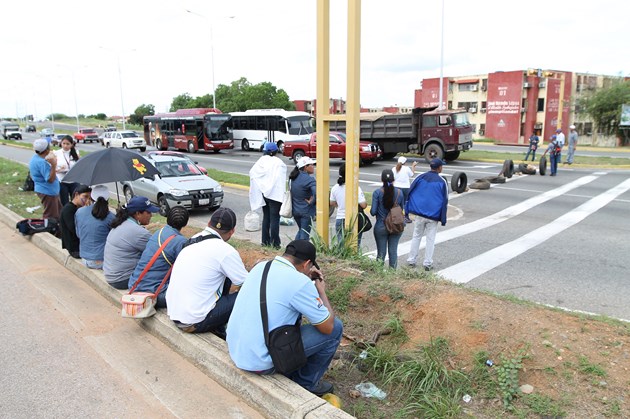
(555, 240)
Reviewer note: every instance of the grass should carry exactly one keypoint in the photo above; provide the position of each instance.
(518, 157)
(227, 177)
(588, 368)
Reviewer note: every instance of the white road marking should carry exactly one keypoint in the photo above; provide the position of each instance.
(499, 217)
(470, 269)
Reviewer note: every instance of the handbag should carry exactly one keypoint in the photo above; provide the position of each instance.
(140, 305)
(285, 342)
(286, 209)
(395, 220)
(365, 224)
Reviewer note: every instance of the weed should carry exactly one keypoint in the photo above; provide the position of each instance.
(614, 409)
(397, 329)
(550, 371)
(339, 294)
(543, 405)
(478, 325)
(507, 372)
(586, 367)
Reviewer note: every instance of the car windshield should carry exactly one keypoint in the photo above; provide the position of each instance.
(461, 119)
(129, 135)
(299, 125)
(88, 131)
(177, 168)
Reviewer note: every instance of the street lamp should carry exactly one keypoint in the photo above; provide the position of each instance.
(122, 102)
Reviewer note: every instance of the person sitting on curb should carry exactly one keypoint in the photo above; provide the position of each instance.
(176, 219)
(127, 240)
(295, 287)
(93, 225)
(69, 239)
(200, 295)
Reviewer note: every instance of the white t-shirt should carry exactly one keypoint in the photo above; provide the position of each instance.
(560, 137)
(402, 178)
(198, 276)
(338, 195)
(64, 163)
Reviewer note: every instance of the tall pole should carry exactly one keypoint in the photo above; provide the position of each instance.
(76, 107)
(441, 97)
(52, 113)
(122, 103)
(214, 92)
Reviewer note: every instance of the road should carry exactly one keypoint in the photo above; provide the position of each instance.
(67, 352)
(554, 240)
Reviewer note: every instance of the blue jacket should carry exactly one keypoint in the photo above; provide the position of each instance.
(303, 188)
(428, 197)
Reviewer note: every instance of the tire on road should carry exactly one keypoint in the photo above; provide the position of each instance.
(495, 179)
(459, 182)
(480, 184)
(508, 168)
(542, 166)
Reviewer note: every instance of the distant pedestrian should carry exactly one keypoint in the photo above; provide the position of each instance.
(43, 169)
(67, 156)
(268, 178)
(533, 146)
(573, 140)
(303, 196)
(428, 200)
(560, 140)
(69, 238)
(93, 225)
(402, 178)
(383, 200)
(554, 149)
(338, 199)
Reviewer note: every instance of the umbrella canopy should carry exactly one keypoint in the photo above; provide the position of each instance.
(110, 165)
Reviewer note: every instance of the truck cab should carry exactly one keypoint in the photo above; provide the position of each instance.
(444, 134)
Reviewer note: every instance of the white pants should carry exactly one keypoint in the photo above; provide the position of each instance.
(422, 226)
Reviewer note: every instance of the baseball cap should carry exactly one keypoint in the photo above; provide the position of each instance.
(435, 163)
(270, 147)
(303, 250)
(572, 127)
(223, 219)
(305, 161)
(559, 130)
(100, 191)
(402, 159)
(40, 145)
(553, 137)
(140, 204)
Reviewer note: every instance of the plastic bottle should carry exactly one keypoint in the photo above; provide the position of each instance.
(370, 390)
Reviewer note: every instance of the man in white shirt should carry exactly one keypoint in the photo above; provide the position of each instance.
(560, 139)
(200, 295)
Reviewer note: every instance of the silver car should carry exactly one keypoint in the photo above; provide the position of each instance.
(180, 183)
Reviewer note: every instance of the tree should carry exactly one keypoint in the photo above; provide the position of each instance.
(182, 101)
(140, 112)
(605, 106)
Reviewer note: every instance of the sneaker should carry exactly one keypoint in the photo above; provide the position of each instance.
(428, 268)
(322, 388)
(408, 220)
(411, 264)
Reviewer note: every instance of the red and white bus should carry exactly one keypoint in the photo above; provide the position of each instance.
(253, 128)
(205, 129)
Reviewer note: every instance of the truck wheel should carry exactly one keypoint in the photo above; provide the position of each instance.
(433, 151)
(245, 145)
(297, 155)
(459, 182)
(191, 147)
(542, 166)
(451, 156)
(508, 168)
(280, 145)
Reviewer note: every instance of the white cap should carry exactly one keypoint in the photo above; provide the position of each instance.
(402, 159)
(40, 145)
(100, 191)
(572, 127)
(305, 161)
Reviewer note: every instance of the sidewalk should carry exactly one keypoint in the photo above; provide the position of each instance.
(273, 396)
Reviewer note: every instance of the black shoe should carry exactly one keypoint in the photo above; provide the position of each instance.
(428, 268)
(322, 388)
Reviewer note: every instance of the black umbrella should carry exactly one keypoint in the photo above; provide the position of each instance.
(110, 165)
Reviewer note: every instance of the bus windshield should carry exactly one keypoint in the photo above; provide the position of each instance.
(299, 125)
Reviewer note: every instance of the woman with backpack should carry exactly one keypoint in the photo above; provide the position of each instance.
(387, 204)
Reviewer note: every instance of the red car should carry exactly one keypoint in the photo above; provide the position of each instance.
(296, 149)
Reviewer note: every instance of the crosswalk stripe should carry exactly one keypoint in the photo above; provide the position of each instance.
(470, 269)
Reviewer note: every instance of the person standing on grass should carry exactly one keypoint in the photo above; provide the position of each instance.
(383, 200)
(402, 178)
(533, 146)
(573, 140)
(428, 200)
(43, 168)
(267, 180)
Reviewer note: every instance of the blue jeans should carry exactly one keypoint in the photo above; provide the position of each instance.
(304, 223)
(533, 155)
(553, 161)
(271, 223)
(339, 229)
(218, 317)
(386, 243)
(319, 349)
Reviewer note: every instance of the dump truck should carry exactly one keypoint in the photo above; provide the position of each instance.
(430, 132)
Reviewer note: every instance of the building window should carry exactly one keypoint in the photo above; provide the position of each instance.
(467, 87)
(541, 105)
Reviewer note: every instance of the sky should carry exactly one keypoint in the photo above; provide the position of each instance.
(74, 57)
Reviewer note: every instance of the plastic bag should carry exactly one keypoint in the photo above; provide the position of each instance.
(252, 221)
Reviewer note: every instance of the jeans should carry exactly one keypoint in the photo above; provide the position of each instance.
(533, 154)
(319, 349)
(386, 243)
(93, 264)
(554, 159)
(271, 223)
(304, 223)
(339, 229)
(120, 285)
(422, 226)
(570, 153)
(66, 190)
(218, 317)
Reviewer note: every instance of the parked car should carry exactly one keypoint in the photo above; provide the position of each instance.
(182, 155)
(30, 128)
(46, 132)
(85, 135)
(124, 139)
(180, 183)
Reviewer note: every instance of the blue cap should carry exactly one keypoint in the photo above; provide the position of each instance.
(553, 137)
(140, 204)
(270, 147)
(435, 163)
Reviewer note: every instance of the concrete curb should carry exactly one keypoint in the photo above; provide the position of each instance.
(274, 396)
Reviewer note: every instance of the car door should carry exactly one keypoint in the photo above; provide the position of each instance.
(337, 147)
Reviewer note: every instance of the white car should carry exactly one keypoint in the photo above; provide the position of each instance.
(124, 139)
(180, 183)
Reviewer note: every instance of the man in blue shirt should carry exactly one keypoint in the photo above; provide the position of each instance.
(43, 168)
(428, 200)
(295, 287)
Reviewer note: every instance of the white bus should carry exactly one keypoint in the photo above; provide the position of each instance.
(253, 128)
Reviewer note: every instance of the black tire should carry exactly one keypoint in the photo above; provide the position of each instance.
(216, 151)
(245, 145)
(128, 193)
(143, 149)
(481, 184)
(163, 204)
(459, 182)
(433, 151)
(451, 156)
(297, 155)
(125, 146)
(107, 145)
(508, 168)
(495, 179)
(158, 144)
(522, 167)
(542, 166)
(280, 145)
(191, 147)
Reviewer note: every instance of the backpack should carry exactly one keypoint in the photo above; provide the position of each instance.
(556, 148)
(198, 239)
(29, 184)
(395, 220)
(30, 226)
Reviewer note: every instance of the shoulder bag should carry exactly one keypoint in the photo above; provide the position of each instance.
(140, 305)
(285, 342)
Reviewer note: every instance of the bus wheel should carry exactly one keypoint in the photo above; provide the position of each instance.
(191, 147)
(158, 144)
(433, 151)
(245, 145)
